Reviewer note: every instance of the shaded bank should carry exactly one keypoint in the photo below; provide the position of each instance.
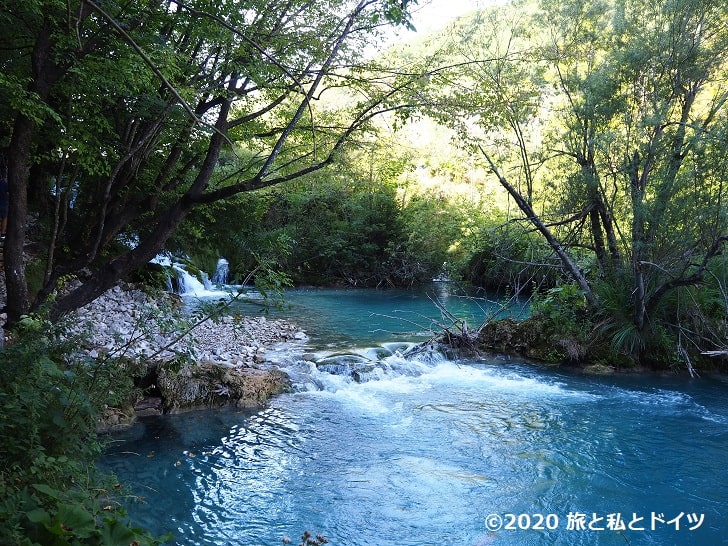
(537, 339)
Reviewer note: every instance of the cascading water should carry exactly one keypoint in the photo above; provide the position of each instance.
(222, 271)
(187, 284)
(182, 282)
(330, 371)
(383, 445)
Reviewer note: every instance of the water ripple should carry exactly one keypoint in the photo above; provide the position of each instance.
(421, 459)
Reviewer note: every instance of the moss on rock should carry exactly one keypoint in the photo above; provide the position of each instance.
(211, 386)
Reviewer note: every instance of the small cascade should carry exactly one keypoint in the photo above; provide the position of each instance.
(187, 284)
(222, 272)
(206, 281)
(335, 371)
(181, 281)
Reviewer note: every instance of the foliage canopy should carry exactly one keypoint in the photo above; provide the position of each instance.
(605, 122)
(123, 117)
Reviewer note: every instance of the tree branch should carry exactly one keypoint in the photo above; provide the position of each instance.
(694, 278)
(146, 59)
(526, 208)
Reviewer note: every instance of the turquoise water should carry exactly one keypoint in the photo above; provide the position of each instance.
(346, 317)
(426, 451)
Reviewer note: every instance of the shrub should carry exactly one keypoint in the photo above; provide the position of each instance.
(51, 397)
(564, 312)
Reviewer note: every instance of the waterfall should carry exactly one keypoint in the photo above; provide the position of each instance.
(222, 272)
(187, 285)
(182, 282)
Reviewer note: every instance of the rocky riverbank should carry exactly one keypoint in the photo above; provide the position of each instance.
(127, 321)
(186, 362)
(191, 362)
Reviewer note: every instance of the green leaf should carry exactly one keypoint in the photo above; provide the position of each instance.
(47, 490)
(39, 516)
(114, 533)
(76, 520)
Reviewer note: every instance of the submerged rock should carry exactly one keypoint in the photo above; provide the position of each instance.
(357, 367)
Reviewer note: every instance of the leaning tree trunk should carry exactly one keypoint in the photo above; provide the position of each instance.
(118, 268)
(165, 225)
(526, 208)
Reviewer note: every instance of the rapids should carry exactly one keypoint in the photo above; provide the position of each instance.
(376, 448)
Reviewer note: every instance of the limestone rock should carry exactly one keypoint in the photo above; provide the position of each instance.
(212, 385)
(115, 419)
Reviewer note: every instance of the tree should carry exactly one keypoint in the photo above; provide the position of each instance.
(649, 105)
(605, 122)
(126, 115)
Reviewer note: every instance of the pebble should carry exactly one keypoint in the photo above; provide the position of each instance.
(231, 341)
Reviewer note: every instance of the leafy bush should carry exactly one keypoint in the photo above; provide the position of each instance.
(51, 397)
(565, 314)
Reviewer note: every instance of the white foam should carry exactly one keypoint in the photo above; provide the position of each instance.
(395, 375)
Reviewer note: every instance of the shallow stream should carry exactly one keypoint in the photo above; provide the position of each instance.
(428, 451)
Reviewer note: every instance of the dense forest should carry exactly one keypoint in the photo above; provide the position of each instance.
(571, 147)
(573, 151)
(568, 150)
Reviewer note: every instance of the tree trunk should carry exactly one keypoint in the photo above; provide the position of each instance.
(608, 224)
(637, 192)
(18, 166)
(20, 151)
(109, 275)
(598, 237)
(526, 208)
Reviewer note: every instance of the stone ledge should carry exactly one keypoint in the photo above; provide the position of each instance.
(212, 386)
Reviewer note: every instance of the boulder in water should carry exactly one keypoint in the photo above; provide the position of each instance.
(211, 386)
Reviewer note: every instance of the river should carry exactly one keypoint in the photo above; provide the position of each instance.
(429, 451)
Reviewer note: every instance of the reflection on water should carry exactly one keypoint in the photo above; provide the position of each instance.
(421, 452)
(423, 459)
